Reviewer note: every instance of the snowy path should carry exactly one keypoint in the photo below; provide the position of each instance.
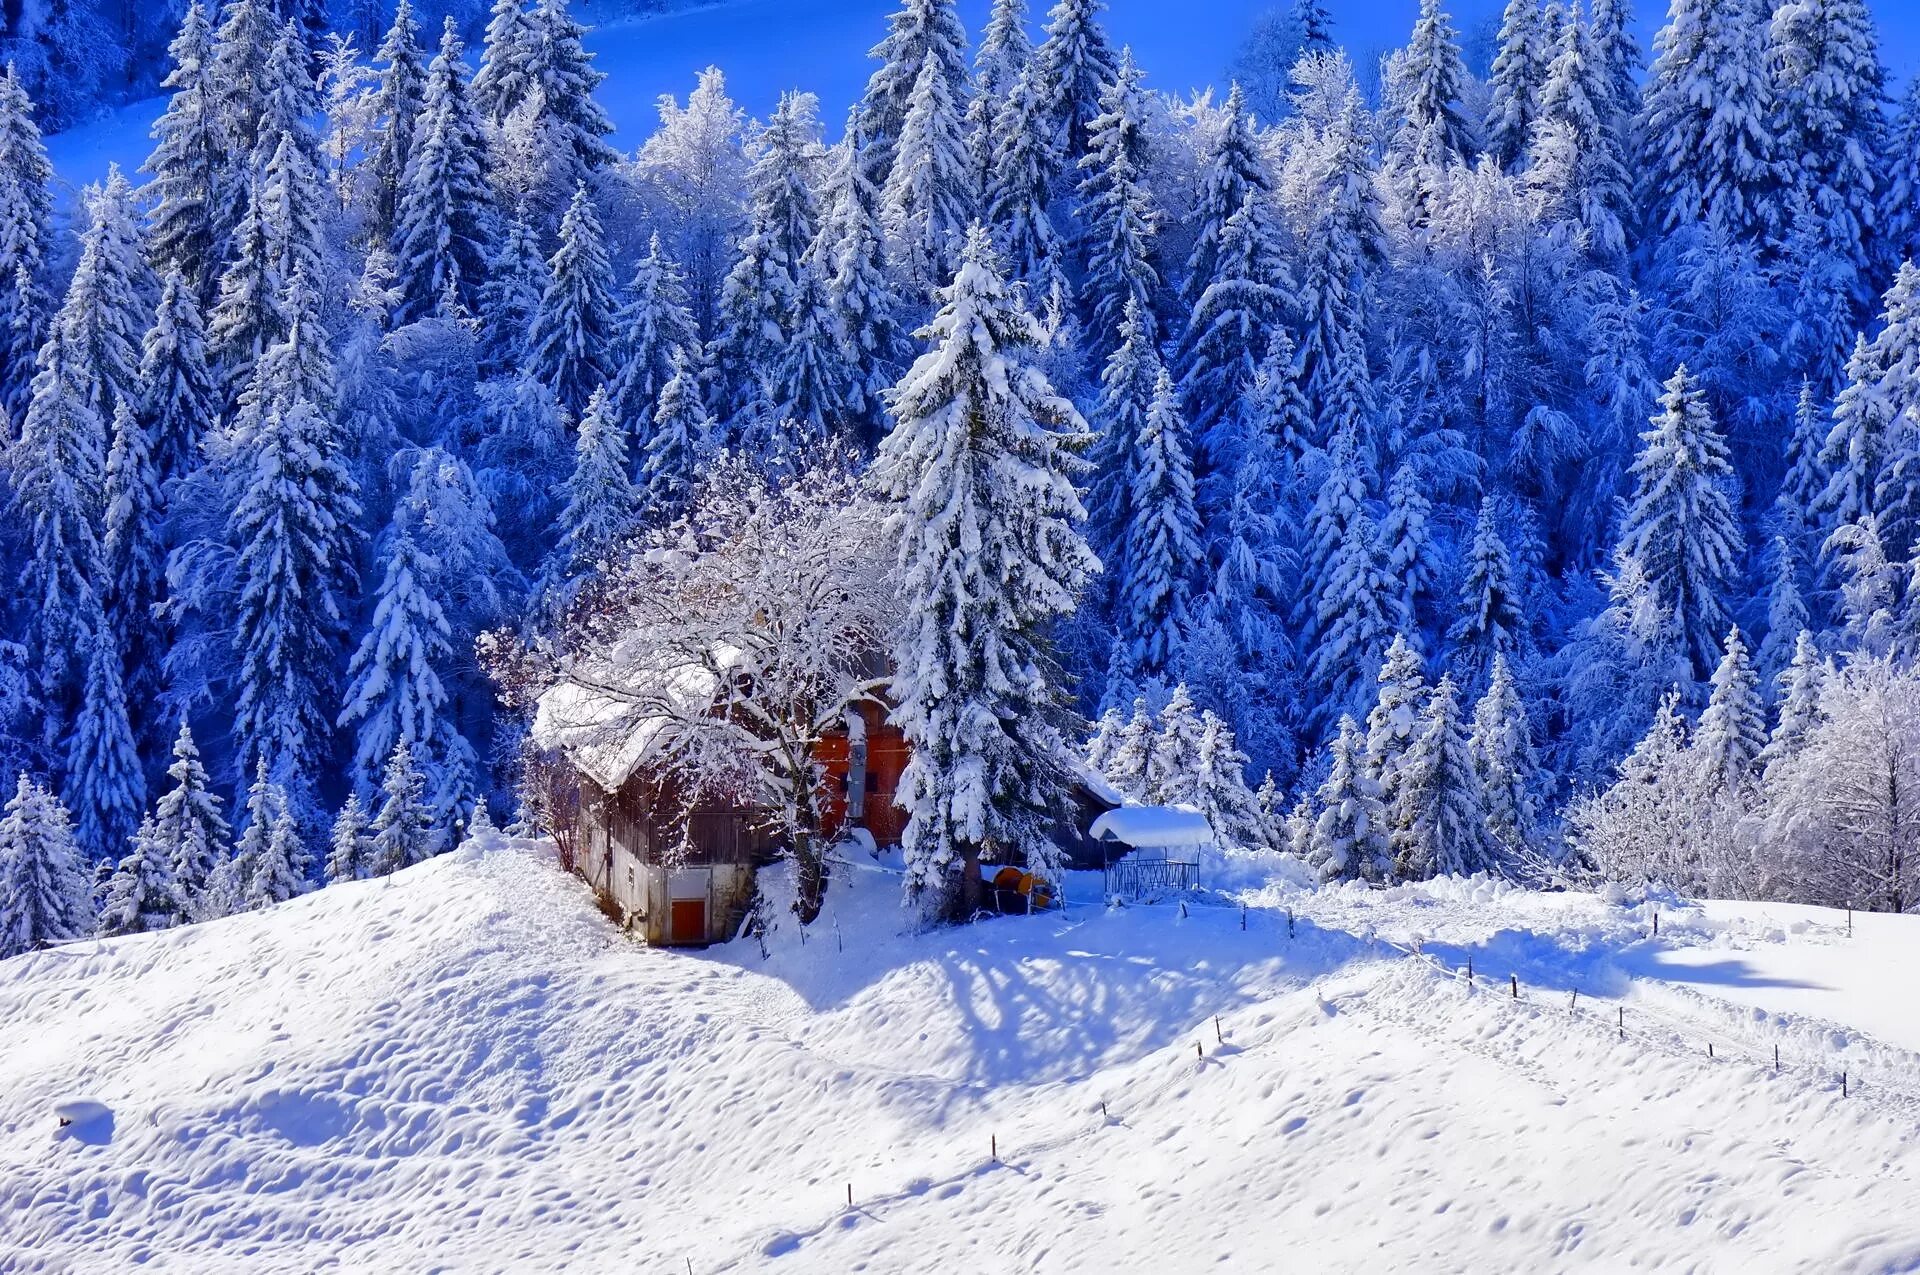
(465, 1069)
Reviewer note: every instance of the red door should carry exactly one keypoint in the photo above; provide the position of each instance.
(689, 918)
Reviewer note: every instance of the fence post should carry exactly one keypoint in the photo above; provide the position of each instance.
(996, 1148)
(849, 1195)
(1243, 916)
(1623, 1022)
(1656, 923)
(1776, 1057)
(1515, 980)
(1849, 920)
(1216, 1030)
(1574, 1005)
(1289, 922)
(1843, 1084)
(1198, 1052)
(1709, 1049)
(1469, 969)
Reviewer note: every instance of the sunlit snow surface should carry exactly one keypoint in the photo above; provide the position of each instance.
(467, 1068)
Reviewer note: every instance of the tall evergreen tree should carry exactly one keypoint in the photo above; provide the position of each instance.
(510, 298)
(177, 400)
(928, 197)
(1439, 819)
(187, 835)
(109, 302)
(1073, 66)
(1020, 182)
(1491, 624)
(1519, 74)
(1504, 759)
(562, 79)
(403, 831)
(1163, 554)
(134, 566)
(1733, 726)
(571, 340)
(1434, 131)
(443, 236)
(670, 458)
(1707, 152)
(1234, 168)
(601, 503)
(1679, 523)
(188, 163)
(395, 691)
(1127, 385)
(982, 460)
(860, 289)
(350, 846)
(141, 896)
(503, 79)
(921, 34)
(654, 325)
(45, 891)
(1574, 98)
(1119, 218)
(26, 208)
(1227, 334)
(396, 105)
(1349, 837)
(1800, 685)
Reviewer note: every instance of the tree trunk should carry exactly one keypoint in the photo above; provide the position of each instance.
(810, 876)
(971, 890)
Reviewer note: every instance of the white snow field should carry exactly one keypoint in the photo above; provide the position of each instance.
(466, 1068)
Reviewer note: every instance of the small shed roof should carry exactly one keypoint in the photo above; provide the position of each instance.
(1156, 827)
(606, 734)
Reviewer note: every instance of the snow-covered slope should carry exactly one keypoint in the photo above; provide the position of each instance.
(465, 1068)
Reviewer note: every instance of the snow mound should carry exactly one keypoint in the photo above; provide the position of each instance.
(465, 1067)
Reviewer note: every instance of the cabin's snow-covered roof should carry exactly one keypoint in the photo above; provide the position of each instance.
(606, 732)
(1100, 786)
(1145, 827)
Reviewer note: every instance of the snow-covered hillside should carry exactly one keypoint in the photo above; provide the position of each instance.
(466, 1068)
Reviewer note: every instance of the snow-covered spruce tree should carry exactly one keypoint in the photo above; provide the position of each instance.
(1899, 182)
(403, 830)
(1621, 60)
(852, 250)
(1073, 66)
(26, 208)
(1786, 614)
(1519, 73)
(1434, 132)
(292, 207)
(394, 690)
(298, 368)
(928, 198)
(562, 81)
(1505, 761)
(654, 324)
(292, 530)
(57, 475)
(272, 865)
(1339, 248)
(186, 833)
(397, 102)
(601, 502)
(1226, 337)
(670, 457)
(1679, 522)
(188, 163)
(1641, 827)
(350, 845)
(242, 44)
(246, 319)
(1173, 763)
(920, 34)
(1127, 384)
(1805, 478)
(1801, 683)
(1220, 791)
(443, 235)
(1574, 96)
(1020, 182)
(1394, 720)
(510, 297)
(571, 342)
(1163, 555)
(1131, 759)
(141, 896)
(1438, 817)
(177, 400)
(1005, 48)
(982, 460)
(1827, 88)
(103, 777)
(1896, 493)
(1707, 152)
(1409, 549)
(1869, 584)
(1856, 446)
(815, 380)
(1341, 499)
(758, 299)
(109, 302)
(1349, 837)
(134, 562)
(1119, 219)
(1733, 726)
(45, 888)
(1234, 167)
(1491, 623)
(504, 77)
(1352, 620)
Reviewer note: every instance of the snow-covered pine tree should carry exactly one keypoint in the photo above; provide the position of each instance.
(1119, 219)
(1801, 683)
(815, 380)
(1349, 837)
(1339, 247)
(1003, 56)
(1899, 184)
(670, 457)
(109, 302)
(1131, 759)
(292, 530)
(1574, 96)
(1786, 614)
(1394, 720)
(920, 34)
(1519, 73)
(1828, 84)
(350, 845)
(242, 46)
(1409, 549)
(1173, 763)
(443, 233)
(1437, 812)
(188, 163)
(1234, 168)
(1856, 446)
(232, 888)
(274, 864)
(1869, 584)
(45, 888)
(982, 460)
(1163, 554)
(1126, 391)
(601, 503)
(510, 298)
(1504, 759)
(397, 102)
(1220, 791)
(246, 319)
(928, 198)
(1617, 50)
(1805, 478)
(653, 324)
(562, 80)
(1020, 181)
(1238, 307)
(26, 208)
(395, 691)
(1353, 619)
(1491, 623)
(186, 835)
(177, 400)
(57, 476)
(1707, 153)
(757, 302)
(1074, 65)
(403, 830)
(572, 337)
(1896, 493)
(504, 77)
(134, 563)
(1733, 726)
(1679, 523)
(1342, 498)
(1434, 132)
(141, 896)
(860, 288)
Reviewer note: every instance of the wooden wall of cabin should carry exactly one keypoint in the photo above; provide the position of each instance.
(878, 781)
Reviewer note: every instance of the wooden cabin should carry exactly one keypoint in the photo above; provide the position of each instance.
(686, 878)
